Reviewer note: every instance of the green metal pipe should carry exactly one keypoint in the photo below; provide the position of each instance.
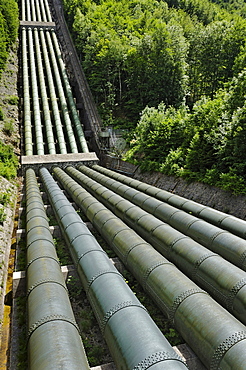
(75, 117)
(214, 334)
(23, 10)
(28, 9)
(132, 336)
(63, 102)
(223, 220)
(53, 336)
(53, 97)
(229, 246)
(44, 97)
(35, 96)
(48, 13)
(33, 10)
(26, 98)
(224, 281)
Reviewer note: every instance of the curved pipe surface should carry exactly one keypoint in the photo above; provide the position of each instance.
(53, 336)
(133, 338)
(203, 323)
(26, 97)
(224, 281)
(230, 246)
(230, 223)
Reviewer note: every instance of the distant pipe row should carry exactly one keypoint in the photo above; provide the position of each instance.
(75, 117)
(43, 93)
(225, 221)
(133, 338)
(53, 97)
(26, 98)
(224, 281)
(217, 338)
(39, 11)
(229, 246)
(54, 341)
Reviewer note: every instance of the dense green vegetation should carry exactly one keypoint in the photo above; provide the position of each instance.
(9, 23)
(8, 162)
(172, 73)
(8, 28)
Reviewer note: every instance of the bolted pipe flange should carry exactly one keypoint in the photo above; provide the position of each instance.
(44, 281)
(242, 261)
(83, 254)
(41, 239)
(43, 256)
(200, 261)
(115, 309)
(180, 298)
(224, 347)
(98, 275)
(155, 358)
(150, 269)
(234, 292)
(51, 318)
(129, 251)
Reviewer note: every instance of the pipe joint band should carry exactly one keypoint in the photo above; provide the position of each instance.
(77, 236)
(44, 281)
(180, 298)
(37, 258)
(224, 347)
(155, 358)
(234, 292)
(50, 318)
(200, 261)
(212, 239)
(152, 268)
(129, 251)
(40, 239)
(171, 245)
(118, 232)
(38, 226)
(117, 308)
(100, 273)
(242, 261)
(91, 250)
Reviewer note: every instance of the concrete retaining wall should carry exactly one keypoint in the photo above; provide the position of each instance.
(205, 194)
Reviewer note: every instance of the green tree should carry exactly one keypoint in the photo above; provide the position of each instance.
(213, 53)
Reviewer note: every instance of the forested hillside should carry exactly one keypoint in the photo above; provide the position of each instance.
(172, 73)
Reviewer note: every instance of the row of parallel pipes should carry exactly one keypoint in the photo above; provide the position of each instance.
(230, 246)
(224, 281)
(167, 240)
(223, 220)
(53, 338)
(216, 336)
(133, 338)
(42, 44)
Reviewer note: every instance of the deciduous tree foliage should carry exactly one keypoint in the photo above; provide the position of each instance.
(174, 73)
(8, 28)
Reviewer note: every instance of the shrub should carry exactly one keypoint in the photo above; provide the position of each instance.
(8, 162)
(8, 127)
(1, 114)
